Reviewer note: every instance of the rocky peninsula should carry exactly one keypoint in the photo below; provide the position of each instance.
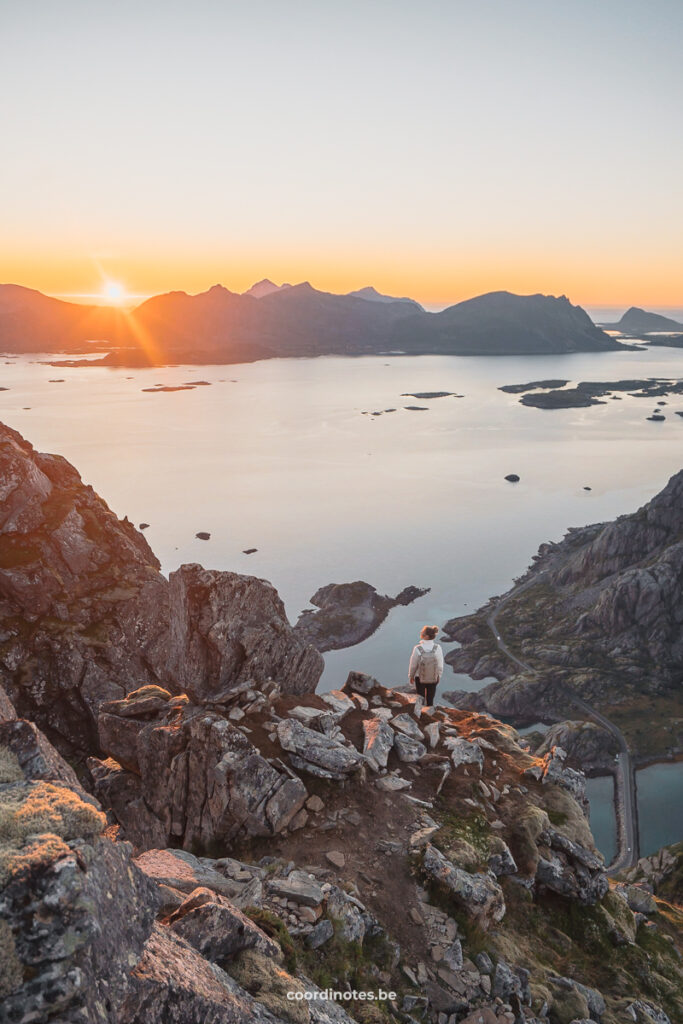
(598, 612)
(202, 838)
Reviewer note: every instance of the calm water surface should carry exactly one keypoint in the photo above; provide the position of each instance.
(660, 805)
(278, 455)
(600, 792)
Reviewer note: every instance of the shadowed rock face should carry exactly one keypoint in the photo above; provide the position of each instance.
(87, 617)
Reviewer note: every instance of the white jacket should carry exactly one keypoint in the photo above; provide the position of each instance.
(426, 645)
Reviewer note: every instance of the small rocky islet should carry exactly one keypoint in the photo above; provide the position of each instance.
(231, 835)
(348, 613)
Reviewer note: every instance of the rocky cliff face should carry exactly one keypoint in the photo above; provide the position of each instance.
(604, 615)
(358, 842)
(234, 850)
(87, 617)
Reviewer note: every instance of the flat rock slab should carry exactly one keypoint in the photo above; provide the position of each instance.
(392, 783)
(408, 726)
(464, 752)
(316, 749)
(408, 749)
(184, 871)
(298, 887)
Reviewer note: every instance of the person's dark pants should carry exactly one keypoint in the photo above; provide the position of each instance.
(426, 691)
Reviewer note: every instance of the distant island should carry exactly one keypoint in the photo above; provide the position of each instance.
(553, 394)
(637, 321)
(268, 321)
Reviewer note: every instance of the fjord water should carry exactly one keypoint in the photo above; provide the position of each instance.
(278, 455)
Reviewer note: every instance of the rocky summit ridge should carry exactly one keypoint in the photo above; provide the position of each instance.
(231, 849)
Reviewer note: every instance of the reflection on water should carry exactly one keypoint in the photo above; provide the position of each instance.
(659, 790)
(660, 799)
(600, 793)
(278, 456)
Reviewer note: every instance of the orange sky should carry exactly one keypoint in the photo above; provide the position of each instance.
(443, 280)
(432, 150)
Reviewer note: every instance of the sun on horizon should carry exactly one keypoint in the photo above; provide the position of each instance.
(113, 291)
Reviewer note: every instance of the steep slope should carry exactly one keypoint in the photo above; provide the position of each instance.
(601, 612)
(33, 322)
(87, 616)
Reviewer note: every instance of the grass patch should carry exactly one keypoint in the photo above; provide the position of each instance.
(276, 929)
(472, 829)
(339, 964)
(556, 817)
(35, 818)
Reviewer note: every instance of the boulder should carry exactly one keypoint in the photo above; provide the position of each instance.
(185, 872)
(378, 741)
(640, 900)
(569, 869)
(479, 895)
(407, 749)
(217, 929)
(173, 984)
(359, 682)
(318, 751)
(407, 725)
(464, 752)
(299, 887)
(321, 933)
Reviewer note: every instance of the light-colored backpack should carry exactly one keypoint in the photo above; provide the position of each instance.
(428, 665)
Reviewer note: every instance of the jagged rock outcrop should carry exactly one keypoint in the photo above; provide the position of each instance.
(479, 893)
(589, 746)
(226, 629)
(180, 773)
(662, 873)
(87, 617)
(79, 935)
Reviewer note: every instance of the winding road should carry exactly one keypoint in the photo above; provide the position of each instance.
(624, 776)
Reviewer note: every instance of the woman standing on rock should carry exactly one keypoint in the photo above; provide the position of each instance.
(426, 665)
